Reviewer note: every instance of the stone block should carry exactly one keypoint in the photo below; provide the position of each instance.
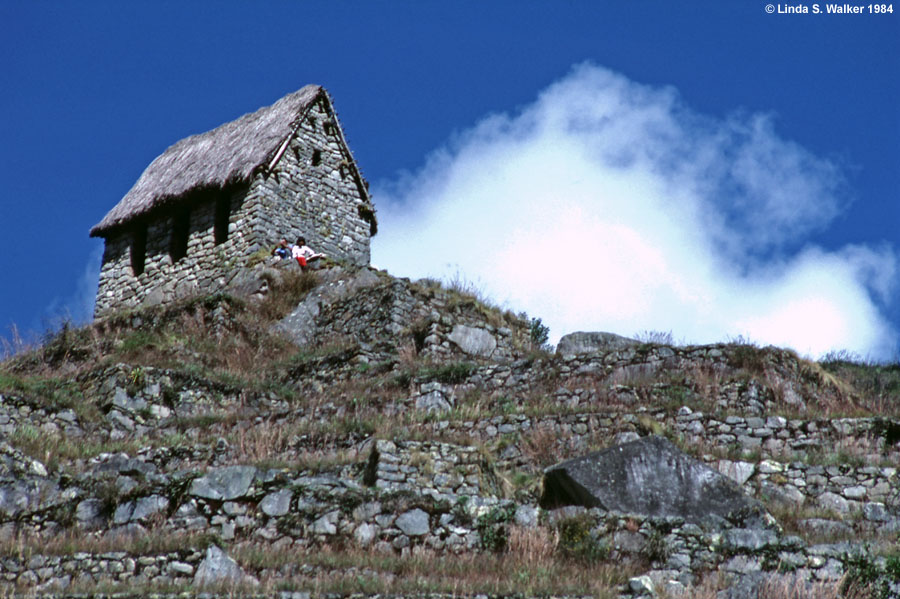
(277, 503)
(413, 523)
(231, 482)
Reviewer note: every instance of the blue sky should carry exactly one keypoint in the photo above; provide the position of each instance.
(703, 167)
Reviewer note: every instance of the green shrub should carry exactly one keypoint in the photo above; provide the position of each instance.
(450, 374)
(862, 575)
(576, 540)
(493, 527)
(656, 550)
(138, 341)
(747, 357)
(540, 333)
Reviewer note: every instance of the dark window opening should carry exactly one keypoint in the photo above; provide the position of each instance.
(328, 128)
(368, 214)
(312, 122)
(317, 157)
(138, 250)
(223, 211)
(180, 230)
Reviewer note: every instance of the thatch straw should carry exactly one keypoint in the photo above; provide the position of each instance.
(227, 154)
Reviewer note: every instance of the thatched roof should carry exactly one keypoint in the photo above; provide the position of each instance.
(227, 154)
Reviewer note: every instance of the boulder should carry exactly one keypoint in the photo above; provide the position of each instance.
(88, 513)
(651, 477)
(217, 568)
(739, 472)
(146, 507)
(248, 282)
(413, 523)
(223, 484)
(300, 325)
(473, 341)
(24, 485)
(586, 343)
(120, 463)
(433, 399)
(277, 503)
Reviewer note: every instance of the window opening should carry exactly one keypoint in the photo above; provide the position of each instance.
(316, 157)
(180, 231)
(138, 250)
(223, 211)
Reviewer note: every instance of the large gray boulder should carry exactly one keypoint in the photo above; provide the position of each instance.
(651, 477)
(248, 282)
(586, 343)
(25, 486)
(473, 341)
(413, 523)
(300, 325)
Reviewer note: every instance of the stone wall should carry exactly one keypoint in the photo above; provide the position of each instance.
(315, 190)
(303, 509)
(201, 270)
(384, 315)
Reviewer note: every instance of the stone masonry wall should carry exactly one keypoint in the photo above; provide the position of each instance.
(383, 315)
(306, 509)
(314, 192)
(411, 495)
(204, 268)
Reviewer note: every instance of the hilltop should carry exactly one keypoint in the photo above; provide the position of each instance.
(345, 432)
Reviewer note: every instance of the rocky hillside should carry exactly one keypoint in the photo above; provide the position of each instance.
(345, 433)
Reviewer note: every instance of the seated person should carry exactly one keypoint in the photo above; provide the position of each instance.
(282, 250)
(303, 253)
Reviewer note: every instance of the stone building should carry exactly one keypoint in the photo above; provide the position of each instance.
(211, 201)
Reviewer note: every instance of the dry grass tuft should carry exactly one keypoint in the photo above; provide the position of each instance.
(284, 294)
(533, 546)
(541, 446)
(529, 567)
(155, 542)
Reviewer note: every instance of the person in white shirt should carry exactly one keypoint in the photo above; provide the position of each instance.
(303, 253)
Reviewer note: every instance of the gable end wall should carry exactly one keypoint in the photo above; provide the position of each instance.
(320, 202)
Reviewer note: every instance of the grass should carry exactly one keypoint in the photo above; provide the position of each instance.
(462, 295)
(59, 452)
(54, 393)
(216, 336)
(450, 374)
(878, 384)
(656, 337)
(286, 293)
(530, 566)
(155, 542)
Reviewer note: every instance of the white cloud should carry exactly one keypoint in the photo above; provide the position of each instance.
(608, 205)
